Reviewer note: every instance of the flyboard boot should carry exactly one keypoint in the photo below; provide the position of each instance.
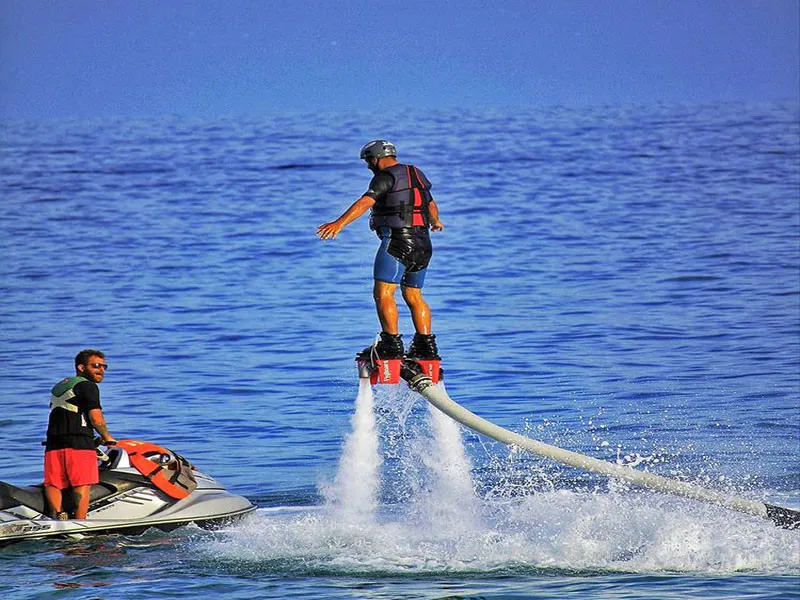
(384, 361)
(424, 351)
(381, 361)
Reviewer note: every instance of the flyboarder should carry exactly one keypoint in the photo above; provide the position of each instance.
(403, 212)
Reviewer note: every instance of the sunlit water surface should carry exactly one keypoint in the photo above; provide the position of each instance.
(623, 282)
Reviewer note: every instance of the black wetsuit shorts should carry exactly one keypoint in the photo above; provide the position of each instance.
(403, 256)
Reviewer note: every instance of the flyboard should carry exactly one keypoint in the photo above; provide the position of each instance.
(422, 377)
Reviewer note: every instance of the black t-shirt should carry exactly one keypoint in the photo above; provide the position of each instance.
(380, 185)
(67, 429)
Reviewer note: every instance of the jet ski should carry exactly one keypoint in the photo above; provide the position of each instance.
(142, 485)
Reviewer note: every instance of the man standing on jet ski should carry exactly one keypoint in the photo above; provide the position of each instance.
(402, 212)
(75, 414)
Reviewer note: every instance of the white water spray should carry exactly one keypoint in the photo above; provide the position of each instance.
(453, 498)
(354, 493)
(444, 527)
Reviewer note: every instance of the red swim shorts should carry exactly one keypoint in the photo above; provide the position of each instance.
(70, 468)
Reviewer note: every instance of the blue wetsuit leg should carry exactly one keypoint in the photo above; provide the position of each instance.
(415, 279)
(387, 268)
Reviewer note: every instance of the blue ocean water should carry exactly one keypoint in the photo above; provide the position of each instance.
(619, 281)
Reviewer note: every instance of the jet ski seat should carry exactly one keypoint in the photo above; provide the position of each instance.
(33, 496)
(30, 496)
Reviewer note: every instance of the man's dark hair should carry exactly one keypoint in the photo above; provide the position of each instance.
(82, 357)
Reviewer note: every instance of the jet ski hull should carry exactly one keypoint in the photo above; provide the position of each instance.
(123, 502)
(32, 529)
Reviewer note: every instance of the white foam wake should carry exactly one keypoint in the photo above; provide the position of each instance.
(562, 530)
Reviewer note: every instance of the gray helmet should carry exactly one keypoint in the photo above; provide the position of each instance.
(378, 149)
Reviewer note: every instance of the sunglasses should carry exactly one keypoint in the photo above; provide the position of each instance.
(99, 366)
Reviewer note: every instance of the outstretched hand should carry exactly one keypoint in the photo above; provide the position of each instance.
(329, 230)
(436, 226)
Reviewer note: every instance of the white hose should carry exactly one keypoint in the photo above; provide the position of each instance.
(439, 398)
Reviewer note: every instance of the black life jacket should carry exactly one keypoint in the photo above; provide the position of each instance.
(406, 205)
(66, 418)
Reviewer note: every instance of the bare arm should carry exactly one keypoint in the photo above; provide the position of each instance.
(358, 208)
(99, 423)
(433, 211)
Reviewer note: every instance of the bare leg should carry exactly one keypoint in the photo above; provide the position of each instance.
(420, 311)
(54, 498)
(383, 293)
(82, 493)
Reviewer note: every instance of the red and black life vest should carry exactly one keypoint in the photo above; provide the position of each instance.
(406, 205)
